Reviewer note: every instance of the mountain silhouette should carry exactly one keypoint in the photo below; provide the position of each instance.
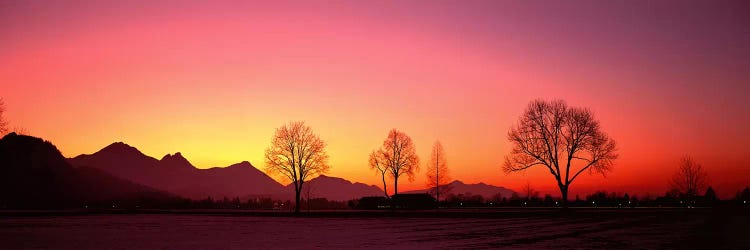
(34, 174)
(233, 181)
(485, 190)
(336, 189)
(175, 174)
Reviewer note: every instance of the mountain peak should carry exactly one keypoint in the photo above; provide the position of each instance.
(175, 159)
(243, 164)
(323, 177)
(119, 148)
(172, 157)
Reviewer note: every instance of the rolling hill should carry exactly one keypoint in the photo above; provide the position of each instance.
(34, 174)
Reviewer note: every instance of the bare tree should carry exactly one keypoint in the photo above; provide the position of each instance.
(297, 154)
(377, 163)
(690, 179)
(3, 123)
(565, 140)
(399, 156)
(437, 170)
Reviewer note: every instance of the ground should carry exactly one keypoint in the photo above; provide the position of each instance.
(522, 229)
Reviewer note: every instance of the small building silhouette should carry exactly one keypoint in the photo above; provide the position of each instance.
(414, 201)
(373, 202)
(398, 201)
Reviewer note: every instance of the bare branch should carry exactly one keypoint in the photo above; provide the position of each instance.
(3, 123)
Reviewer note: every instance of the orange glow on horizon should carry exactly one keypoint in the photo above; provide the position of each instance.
(214, 81)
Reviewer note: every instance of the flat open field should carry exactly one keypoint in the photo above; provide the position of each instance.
(523, 229)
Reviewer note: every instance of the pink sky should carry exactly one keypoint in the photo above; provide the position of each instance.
(212, 81)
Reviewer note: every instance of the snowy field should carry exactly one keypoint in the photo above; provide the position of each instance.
(584, 229)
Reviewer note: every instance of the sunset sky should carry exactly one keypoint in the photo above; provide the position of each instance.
(213, 81)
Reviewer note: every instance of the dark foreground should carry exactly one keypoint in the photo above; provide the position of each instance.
(523, 229)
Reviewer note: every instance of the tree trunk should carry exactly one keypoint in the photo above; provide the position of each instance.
(385, 189)
(437, 182)
(297, 204)
(564, 192)
(307, 199)
(395, 185)
(438, 197)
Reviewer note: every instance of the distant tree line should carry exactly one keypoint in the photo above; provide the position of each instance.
(601, 199)
(114, 203)
(265, 203)
(180, 203)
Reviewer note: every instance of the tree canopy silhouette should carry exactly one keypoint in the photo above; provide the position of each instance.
(437, 170)
(690, 178)
(399, 156)
(566, 140)
(297, 154)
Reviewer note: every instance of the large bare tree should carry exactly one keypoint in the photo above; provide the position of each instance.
(690, 179)
(567, 141)
(399, 156)
(297, 154)
(437, 170)
(3, 123)
(378, 163)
